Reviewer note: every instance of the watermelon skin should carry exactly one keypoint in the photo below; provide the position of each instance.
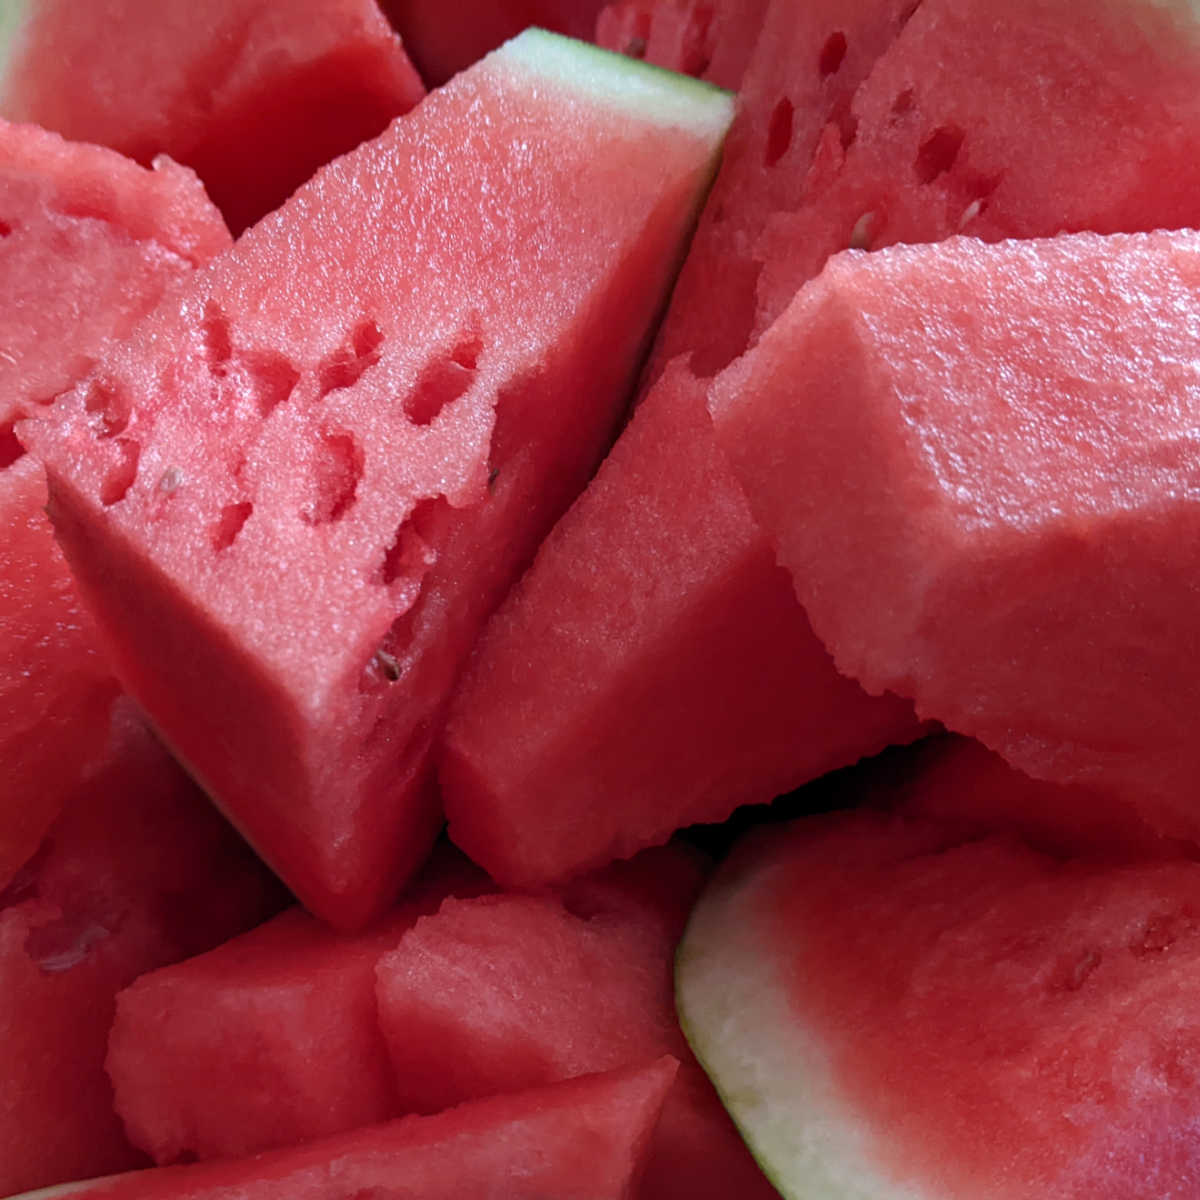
(504, 992)
(707, 40)
(91, 241)
(243, 79)
(1056, 513)
(269, 1040)
(982, 1047)
(446, 39)
(339, 612)
(584, 1139)
(614, 731)
(138, 871)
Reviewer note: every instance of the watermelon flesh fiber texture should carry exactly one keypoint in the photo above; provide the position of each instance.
(982, 1049)
(672, 673)
(508, 991)
(257, 98)
(584, 1139)
(379, 470)
(1056, 513)
(875, 124)
(138, 871)
(276, 1034)
(90, 243)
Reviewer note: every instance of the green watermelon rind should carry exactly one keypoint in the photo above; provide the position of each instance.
(771, 1073)
(645, 91)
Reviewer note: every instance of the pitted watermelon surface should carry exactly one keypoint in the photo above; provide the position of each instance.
(293, 499)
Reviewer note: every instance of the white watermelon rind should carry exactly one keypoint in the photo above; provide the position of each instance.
(642, 90)
(771, 1071)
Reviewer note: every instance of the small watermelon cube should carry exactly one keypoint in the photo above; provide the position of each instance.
(292, 499)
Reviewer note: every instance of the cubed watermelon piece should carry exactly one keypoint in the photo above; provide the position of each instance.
(89, 242)
(587, 725)
(585, 1139)
(711, 40)
(890, 1012)
(253, 96)
(137, 872)
(414, 365)
(444, 39)
(269, 1040)
(507, 991)
(978, 463)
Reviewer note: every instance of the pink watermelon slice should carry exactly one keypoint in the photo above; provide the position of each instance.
(1002, 532)
(503, 992)
(253, 96)
(269, 1040)
(584, 1139)
(138, 871)
(89, 242)
(892, 1013)
(712, 41)
(309, 490)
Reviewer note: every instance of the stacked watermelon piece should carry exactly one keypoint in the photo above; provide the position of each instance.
(494, 480)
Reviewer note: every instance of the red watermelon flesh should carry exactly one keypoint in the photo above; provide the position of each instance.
(584, 1139)
(1115, 100)
(253, 96)
(444, 39)
(290, 590)
(270, 1039)
(958, 780)
(712, 41)
(510, 991)
(89, 242)
(655, 735)
(653, 669)
(138, 871)
(978, 463)
(895, 1015)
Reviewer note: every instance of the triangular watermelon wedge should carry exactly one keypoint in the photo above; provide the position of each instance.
(294, 497)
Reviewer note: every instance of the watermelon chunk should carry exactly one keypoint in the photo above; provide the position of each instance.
(504, 992)
(580, 1140)
(889, 1012)
(1018, 558)
(89, 242)
(268, 1040)
(289, 591)
(138, 871)
(253, 96)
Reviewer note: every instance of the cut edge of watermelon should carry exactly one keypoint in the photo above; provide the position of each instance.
(791, 1117)
(640, 89)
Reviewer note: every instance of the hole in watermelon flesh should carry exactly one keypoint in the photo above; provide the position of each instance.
(443, 381)
(904, 103)
(109, 407)
(345, 367)
(779, 132)
(218, 340)
(10, 446)
(233, 517)
(832, 54)
(938, 152)
(337, 467)
(411, 553)
(5, 229)
(272, 378)
(120, 477)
